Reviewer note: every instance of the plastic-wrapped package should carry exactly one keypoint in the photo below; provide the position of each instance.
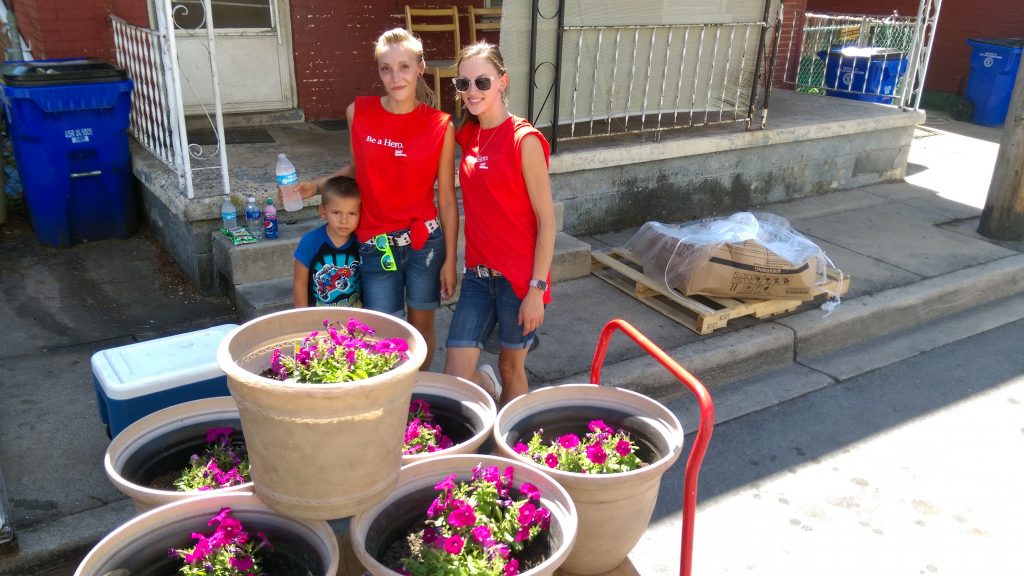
(752, 255)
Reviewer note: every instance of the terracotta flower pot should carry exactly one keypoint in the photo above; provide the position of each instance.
(161, 444)
(463, 410)
(614, 509)
(374, 530)
(140, 545)
(320, 450)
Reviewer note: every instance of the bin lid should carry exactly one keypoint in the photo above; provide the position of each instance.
(873, 52)
(63, 71)
(1017, 43)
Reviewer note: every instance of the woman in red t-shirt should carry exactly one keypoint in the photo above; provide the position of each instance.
(510, 227)
(401, 147)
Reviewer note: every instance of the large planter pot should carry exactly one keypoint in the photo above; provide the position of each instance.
(320, 450)
(614, 509)
(374, 530)
(144, 454)
(140, 545)
(463, 410)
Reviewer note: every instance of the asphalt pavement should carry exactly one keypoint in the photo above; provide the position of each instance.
(910, 248)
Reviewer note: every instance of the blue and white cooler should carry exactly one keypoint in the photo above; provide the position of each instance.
(136, 380)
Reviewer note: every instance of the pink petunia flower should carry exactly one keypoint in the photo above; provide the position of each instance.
(218, 434)
(569, 441)
(600, 426)
(530, 491)
(512, 568)
(623, 448)
(454, 544)
(481, 534)
(526, 513)
(520, 448)
(448, 484)
(462, 516)
(596, 454)
(551, 460)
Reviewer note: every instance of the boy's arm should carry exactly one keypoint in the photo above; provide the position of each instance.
(300, 285)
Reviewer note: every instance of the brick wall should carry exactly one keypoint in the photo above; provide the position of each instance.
(789, 42)
(958, 21)
(333, 47)
(65, 29)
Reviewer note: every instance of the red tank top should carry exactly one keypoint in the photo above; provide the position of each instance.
(396, 157)
(501, 227)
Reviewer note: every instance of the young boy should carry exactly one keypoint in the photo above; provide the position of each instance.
(327, 258)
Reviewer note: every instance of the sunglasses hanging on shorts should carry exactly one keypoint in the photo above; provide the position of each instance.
(483, 83)
(387, 259)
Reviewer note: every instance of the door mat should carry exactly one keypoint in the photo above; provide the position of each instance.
(206, 137)
(331, 125)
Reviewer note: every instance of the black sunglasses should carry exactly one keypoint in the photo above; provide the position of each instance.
(483, 83)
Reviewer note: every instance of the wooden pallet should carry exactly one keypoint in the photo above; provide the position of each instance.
(702, 314)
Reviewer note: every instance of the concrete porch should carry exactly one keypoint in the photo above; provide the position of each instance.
(812, 145)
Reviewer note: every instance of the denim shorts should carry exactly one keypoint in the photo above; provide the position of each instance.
(416, 280)
(483, 304)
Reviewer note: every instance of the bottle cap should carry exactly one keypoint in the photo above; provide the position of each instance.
(270, 201)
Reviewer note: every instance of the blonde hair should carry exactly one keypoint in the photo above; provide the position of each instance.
(403, 38)
(490, 52)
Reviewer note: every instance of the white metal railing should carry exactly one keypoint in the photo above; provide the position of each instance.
(158, 114)
(876, 58)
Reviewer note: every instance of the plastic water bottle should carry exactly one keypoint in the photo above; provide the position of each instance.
(253, 222)
(287, 179)
(228, 214)
(270, 220)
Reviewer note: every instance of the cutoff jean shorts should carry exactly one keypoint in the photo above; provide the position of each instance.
(483, 304)
(416, 281)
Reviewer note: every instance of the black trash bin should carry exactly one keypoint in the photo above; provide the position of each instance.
(68, 122)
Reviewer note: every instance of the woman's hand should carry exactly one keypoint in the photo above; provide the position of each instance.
(306, 188)
(449, 279)
(531, 311)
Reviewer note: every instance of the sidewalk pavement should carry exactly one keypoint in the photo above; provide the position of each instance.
(910, 248)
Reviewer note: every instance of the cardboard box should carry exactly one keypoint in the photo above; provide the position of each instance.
(749, 270)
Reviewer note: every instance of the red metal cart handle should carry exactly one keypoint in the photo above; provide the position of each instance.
(704, 429)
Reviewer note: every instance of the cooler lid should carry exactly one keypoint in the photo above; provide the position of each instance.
(1017, 43)
(61, 71)
(156, 365)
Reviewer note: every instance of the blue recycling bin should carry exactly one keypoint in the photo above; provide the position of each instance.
(68, 124)
(994, 64)
(863, 73)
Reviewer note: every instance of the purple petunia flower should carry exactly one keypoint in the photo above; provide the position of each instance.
(623, 448)
(241, 564)
(596, 454)
(569, 441)
(429, 535)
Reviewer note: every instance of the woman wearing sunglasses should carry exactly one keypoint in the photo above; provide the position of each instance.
(401, 147)
(510, 227)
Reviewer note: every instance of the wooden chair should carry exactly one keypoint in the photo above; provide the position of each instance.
(437, 20)
(483, 20)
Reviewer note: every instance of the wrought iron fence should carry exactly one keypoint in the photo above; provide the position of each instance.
(645, 79)
(158, 113)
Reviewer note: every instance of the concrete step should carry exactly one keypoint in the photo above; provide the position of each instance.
(270, 259)
(252, 299)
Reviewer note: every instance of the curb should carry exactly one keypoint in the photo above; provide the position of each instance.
(64, 541)
(735, 355)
